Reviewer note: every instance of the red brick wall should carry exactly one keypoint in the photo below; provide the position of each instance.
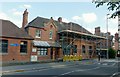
(44, 37)
(79, 44)
(44, 32)
(14, 51)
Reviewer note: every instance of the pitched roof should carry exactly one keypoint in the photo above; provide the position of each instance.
(9, 29)
(39, 22)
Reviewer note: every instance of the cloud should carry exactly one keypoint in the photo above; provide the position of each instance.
(63, 19)
(76, 18)
(114, 20)
(16, 12)
(3, 16)
(112, 25)
(89, 17)
(25, 6)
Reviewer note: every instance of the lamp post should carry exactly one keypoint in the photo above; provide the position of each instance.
(107, 34)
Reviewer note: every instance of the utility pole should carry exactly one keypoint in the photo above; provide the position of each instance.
(107, 34)
(119, 28)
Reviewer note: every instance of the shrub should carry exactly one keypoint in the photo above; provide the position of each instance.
(111, 53)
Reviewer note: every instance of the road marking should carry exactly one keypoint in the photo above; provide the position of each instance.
(59, 66)
(105, 64)
(67, 73)
(23, 70)
(113, 64)
(79, 71)
(115, 74)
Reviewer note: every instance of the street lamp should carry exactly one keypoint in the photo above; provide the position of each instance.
(107, 34)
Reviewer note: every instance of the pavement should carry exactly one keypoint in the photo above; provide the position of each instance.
(21, 68)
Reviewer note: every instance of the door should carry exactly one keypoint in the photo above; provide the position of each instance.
(51, 53)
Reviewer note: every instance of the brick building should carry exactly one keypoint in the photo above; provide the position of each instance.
(15, 44)
(104, 44)
(55, 38)
(115, 46)
(46, 39)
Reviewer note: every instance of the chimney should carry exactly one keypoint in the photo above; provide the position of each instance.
(60, 19)
(116, 37)
(51, 18)
(97, 31)
(25, 19)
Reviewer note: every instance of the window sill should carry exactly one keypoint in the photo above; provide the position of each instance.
(43, 55)
(23, 53)
(50, 38)
(37, 37)
(3, 53)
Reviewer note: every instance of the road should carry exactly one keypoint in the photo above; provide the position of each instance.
(88, 68)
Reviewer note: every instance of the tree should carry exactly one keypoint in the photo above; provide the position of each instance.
(113, 5)
(112, 53)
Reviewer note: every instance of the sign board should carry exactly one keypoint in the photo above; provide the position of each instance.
(33, 58)
(34, 50)
(14, 44)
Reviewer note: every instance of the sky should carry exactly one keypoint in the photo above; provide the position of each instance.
(82, 12)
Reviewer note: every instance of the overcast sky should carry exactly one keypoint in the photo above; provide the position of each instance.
(84, 13)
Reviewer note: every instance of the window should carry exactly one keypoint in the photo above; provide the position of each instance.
(42, 51)
(23, 47)
(38, 33)
(3, 46)
(90, 50)
(50, 34)
(83, 49)
(75, 48)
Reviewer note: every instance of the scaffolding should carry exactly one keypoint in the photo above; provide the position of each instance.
(68, 37)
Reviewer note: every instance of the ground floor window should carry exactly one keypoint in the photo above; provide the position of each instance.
(3, 46)
(42, 51)
(23, 47)
(90, 50)
(83, 49)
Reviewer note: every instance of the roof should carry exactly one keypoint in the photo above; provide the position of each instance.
(54, 44)
(41, 43)
(39, 23)
(70, 31)
(46, 44)
(9, 29)
(71, 26)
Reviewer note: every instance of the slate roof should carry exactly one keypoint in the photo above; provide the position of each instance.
(9, 29)
(39, 23)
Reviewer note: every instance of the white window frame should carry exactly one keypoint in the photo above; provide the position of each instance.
(38, 34)
(42, 51)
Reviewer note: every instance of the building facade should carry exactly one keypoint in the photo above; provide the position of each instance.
(15, 44)
(116, 41)
(104, 44)
(54, 38)
(44, 39)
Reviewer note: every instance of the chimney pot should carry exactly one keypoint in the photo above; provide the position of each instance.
(60, 19)
(25, 19)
